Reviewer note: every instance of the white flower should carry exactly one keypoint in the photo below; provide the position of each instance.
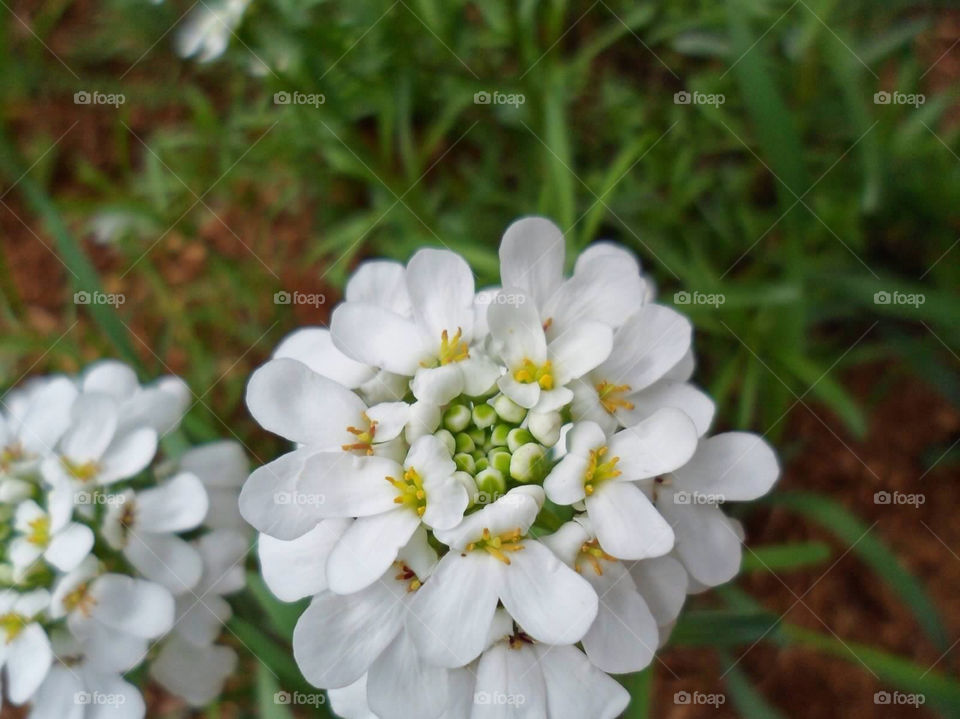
(35, 418)
(222, 467)
(160, 405)
(601, 473)
(144, 526)
(493, 560)
(25, 651)
(728, 467)
(196, 673)
(49, 534)
(206, 32)
(538, 371)
(297, 568)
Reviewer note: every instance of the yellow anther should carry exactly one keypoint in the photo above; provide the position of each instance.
(519, 640)
(79, 599)
(611, 396)
(10, 454)
(591, 552)
(496, 545)
(410, 491)
(599, 471)
(453, 350)
(529, 372)
(11, 624)
(84, 472)
(364, 437)
(39, 533)
(408, 575)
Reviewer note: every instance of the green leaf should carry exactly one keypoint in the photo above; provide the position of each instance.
(774, 557)
(283, 616)
(747, 699)
(269, 696)
(640, 686)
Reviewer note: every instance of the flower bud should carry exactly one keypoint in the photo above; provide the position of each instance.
(498, 437)
(509, 410)
(464, 443)
(499, 459)
(491, 482)
(447, 439)
(545, 427)
(484, 415)
(456, 418)
(465, 462)
(518, 437)
(526, 464)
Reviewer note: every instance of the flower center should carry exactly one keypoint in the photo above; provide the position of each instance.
(591, 552)
(11, 624)
(497, 544)
(408, 575)
(84, 472)
(519, 639)
(39, 533)
(611, 396)
(80, 599)
(9, 455)
(364, 437)
(411, 492)
(598, 470)
(452, 349)
(529, 372)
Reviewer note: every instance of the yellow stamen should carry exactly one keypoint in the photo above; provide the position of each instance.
(411, 491)
(496, 545)
(611, 396)
(599, 471)
(529, 372)
(519, 640)
(10, 454)
(408, 575)
(453, 350)
(84, 472)
(39, 533)
(11, 624)
(591, 552)
(364, 437)
(79, 599)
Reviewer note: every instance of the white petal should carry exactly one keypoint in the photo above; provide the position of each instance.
(447, 500)
(517, 509)
(524, 394)
(160, 406)
(663, 583)
(382, 283)
(350, 702)
(134, 606)
(440, 284)
(564, 484)
(111, 377)
(217, 464)
(576, 688)
(94, 421)
(549, 600)
(297, 569)
(378, 337)
(165, 559)
(579, 349)
(517, 332)
(694, 402)
(367, 549)
(418, 555)
(337, 638)
(627, 524)
(391, 417)
(531, 257)
(201, 621)
(128, 455)
(604, 251)
(177, 505)
(567, 541)
(553, 400)
(289, 399)
(399, 683)
(424, 419)
(349, 486)
(624, 637)
(450, 614)
(737, 465)
(69, 546)
(111, 651)
(707, 542)
(659, 444)
(48, 416)
(28, 660)
(195, 673)
(56, 697)
(586, 407)
(509, 685)
(128, 702)
(651, 342)
(585, 437)
(313, 346)
(438, 385)
(270, 498)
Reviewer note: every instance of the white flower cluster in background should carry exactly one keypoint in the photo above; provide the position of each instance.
(108, 556)
(497, 498)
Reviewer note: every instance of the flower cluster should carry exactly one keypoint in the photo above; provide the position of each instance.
(109, 556)
(496, 498)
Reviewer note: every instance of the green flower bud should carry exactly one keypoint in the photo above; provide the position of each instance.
(519, 437)
(545, 427)
(447, 439)
(498, 437)
(499, 459)
(526, 464)
(491, 482)
(509, 410)
(484, 415)
(464, 443)
(465, 462)
(482, 464)
(456, 418)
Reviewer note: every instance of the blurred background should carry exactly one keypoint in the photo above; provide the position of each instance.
(183, 183)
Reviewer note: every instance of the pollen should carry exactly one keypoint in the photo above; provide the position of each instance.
(11, 624)
(453, 349)
(599, 470)
(591, 552)
(410, 491)
(408, 575)
(529, 372)
(496, 545)
(364, 437)
(84, 472)
(39, 533)
(611, 396)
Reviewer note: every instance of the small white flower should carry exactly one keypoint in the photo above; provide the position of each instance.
(222, 467)
(195, 672)
(206, 32)
(25, 651)
(35, 418)
(49, 534)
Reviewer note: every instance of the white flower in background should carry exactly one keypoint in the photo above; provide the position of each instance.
(101, 536)
(206, 31)
(430, 425)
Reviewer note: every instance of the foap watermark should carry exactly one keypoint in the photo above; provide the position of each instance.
(95, 97)
(299, 499)
(99, 699)
(315, 99)
(499, 98)
(100, 498)
(314, 299)
(899, 699)
(699, 698)
(899, 298)
(499, 699)
(683, 497)
(500, 298)
(684, 97)
(714, 299)
(311, 699)
(98, 298)
(898, 98)
(899, 498)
